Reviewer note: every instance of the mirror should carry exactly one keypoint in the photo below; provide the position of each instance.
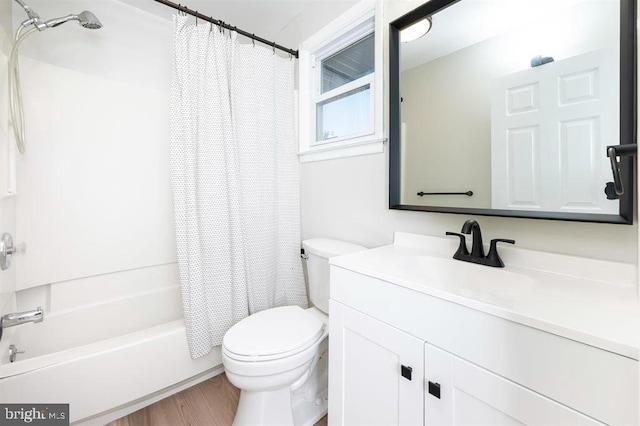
(506, 107)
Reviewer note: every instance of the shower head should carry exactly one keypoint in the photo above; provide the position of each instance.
(89, 20)
(86, 19)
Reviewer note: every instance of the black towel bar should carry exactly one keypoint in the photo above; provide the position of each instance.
(468, 193)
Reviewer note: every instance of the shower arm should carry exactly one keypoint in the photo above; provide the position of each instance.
(34, 18)
(30, 12)
(27, 9)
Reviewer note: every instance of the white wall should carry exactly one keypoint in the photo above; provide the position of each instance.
(94, 200)
(348, 199)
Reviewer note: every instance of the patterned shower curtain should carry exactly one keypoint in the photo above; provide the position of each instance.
(234, 175)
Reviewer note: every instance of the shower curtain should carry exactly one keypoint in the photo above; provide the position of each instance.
(234, 175)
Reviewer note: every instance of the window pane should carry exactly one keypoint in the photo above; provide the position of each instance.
(349, 64)
(344, 115)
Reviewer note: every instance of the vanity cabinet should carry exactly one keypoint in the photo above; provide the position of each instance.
(383, 376)
(391, 334)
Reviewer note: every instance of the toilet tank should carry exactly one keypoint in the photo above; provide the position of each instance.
(318, 251)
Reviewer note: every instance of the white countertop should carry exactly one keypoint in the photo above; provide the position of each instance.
(591, 301)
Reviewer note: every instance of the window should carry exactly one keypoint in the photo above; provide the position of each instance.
(340, 88)
(344, 115)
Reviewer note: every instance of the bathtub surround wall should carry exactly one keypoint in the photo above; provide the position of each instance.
(94, 202)
(6, 25)
(7, 201)
(97, 146)
(6, 287)
(235, 181)
(348, 199)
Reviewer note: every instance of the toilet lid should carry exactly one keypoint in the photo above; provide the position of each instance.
(273, 331)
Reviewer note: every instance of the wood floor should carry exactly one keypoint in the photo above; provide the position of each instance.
(210, 403)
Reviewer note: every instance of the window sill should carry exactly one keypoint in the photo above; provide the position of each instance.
(342, 150)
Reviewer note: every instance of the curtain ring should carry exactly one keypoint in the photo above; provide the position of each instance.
(196, 18)
(274, 47)
(220, 27)
(253, 39)
(210, 27)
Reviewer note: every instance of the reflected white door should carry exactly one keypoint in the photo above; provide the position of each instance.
(550, 126)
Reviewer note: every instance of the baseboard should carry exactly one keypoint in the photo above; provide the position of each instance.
(124, 410)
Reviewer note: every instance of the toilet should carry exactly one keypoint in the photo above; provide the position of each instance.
(278, 357)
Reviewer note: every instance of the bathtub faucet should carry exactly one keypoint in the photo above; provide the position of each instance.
(11, 320)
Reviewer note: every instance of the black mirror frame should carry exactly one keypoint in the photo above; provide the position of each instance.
(627, 122)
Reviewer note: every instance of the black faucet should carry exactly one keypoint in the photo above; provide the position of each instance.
(477, 248)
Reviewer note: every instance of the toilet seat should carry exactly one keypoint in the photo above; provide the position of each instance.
(273, 334)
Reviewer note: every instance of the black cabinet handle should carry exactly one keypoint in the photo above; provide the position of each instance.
(406, 371)
(434, 389)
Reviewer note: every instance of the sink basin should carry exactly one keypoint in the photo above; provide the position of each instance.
(464, 277)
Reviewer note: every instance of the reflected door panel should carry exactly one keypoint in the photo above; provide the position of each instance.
(547, 127)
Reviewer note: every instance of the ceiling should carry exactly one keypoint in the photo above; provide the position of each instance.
(287, 22)
(472, 21)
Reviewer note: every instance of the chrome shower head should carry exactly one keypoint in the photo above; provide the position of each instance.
(86, 19)
(89, 20)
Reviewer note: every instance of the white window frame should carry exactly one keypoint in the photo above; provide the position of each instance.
(355, 24)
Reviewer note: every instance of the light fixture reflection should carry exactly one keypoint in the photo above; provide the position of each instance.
(415, 31)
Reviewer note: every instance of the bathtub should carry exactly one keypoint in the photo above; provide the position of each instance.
(105, 360)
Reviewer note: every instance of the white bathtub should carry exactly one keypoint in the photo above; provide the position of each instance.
(105, 360)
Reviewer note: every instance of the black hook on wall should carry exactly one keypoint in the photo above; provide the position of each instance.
(616, 188)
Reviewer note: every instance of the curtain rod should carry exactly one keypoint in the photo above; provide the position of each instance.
(227, 26)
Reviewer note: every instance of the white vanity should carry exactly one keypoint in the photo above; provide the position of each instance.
(419, 338)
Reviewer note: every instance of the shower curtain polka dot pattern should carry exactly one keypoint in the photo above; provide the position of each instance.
(234, 174)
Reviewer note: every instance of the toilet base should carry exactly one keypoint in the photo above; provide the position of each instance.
(268, 408)
(310, 401)
(308, 413)
(302, 407)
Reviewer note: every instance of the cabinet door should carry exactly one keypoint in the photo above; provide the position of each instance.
(366, 382)
(471, 395)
